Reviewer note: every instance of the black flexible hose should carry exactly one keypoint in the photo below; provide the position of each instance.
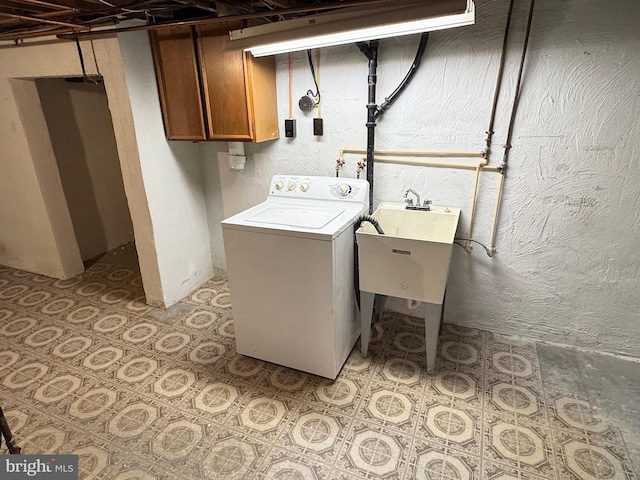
(368, 218)
(370, 50)
(356, 266)
(405, 81)
(315, 79)
(81, 57)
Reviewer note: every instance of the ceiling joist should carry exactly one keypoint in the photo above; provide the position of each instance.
(39, 3)
(45, 20)
(70, 19)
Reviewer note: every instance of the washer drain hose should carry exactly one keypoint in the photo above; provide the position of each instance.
(368, 218)
(356, 267)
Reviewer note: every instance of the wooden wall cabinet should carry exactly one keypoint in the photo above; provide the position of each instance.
(178, 76)
(209, 94)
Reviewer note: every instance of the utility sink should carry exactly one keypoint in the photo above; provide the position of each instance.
(411, 260)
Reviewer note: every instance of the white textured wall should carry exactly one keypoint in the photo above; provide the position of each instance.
(566, 270)
(34, 220)
(163, 182)
(173, 180)
(36, 232)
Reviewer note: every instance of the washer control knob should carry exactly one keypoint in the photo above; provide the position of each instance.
(279, 185)
(291, 186)
(304, 187)
(344, 189)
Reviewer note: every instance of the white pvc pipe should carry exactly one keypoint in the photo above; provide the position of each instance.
(474, 202)
(427, 163)
(417, 153)
(398, 157)
(492, 243)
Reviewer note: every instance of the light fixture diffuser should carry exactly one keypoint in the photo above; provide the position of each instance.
(388, 19)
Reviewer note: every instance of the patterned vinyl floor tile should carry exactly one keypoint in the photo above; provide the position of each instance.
(457, 385)
(497, 471)
(581, 457)
(451, 424)
(393, 407)
(519, 443)
(371, 451)
(318, 435)
(283, 464)
(430, 460)
(138, 392)
(503, 395)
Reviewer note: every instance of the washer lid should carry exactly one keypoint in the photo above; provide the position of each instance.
(296, 216)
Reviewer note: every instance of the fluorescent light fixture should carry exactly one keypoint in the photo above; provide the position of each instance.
(350, 25)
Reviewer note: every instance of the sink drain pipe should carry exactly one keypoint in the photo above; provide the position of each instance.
(370, 50)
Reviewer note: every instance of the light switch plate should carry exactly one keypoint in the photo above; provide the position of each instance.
(290, 127)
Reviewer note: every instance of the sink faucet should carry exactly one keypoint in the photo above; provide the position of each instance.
(410, 206)
(409, 201)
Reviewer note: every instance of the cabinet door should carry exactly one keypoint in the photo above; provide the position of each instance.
(178, 82)
(261, 74)
(224, 81)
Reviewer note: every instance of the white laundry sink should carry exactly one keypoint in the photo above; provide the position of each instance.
(411, 260)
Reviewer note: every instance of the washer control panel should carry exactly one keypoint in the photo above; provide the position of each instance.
(319, 188)
(344, 189)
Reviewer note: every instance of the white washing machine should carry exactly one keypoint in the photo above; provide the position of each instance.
(290, 268)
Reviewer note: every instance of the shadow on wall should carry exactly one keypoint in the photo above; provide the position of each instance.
(79, 124)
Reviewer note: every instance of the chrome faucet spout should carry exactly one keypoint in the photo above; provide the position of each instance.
(426, 205)
(409, 201)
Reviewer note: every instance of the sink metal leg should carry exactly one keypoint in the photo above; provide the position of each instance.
(432, 319)
(378, 306)
(366, 312)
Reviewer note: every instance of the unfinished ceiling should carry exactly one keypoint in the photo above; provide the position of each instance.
(21, 19)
